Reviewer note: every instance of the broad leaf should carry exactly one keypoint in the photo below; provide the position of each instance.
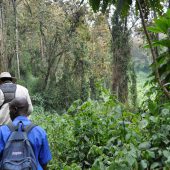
(155, 165)
(144, 164)
(145, 145)
(162, 24)
(143, 123)
(155, 29)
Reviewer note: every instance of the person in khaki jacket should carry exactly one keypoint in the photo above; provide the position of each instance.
(8, 91)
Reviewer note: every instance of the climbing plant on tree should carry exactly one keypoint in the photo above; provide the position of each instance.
(121, 54)
(144, 8)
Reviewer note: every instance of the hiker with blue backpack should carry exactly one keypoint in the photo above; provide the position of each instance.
(8, 91)
(23, 145)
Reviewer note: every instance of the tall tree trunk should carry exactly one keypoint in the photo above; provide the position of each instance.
(3, 63)
(1, 38)
(121, 54)
(169, 28)
(16, 38)
(42, 44)
(42, 50)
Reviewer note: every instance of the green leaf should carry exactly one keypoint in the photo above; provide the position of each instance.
(151, 154)
(166, 153)
(144, 145)
(125, 7)
(143, 123)
(162, 24)
(152, 106)
(164, 42)
(112, 166)
(119, 166)
(168, 161)
(168, 13)
(165, 112)
(102, 166)
(153, 119)
(154, 29)
(144, 164)
(98, 164)
(127, 137)
(155, 165)
(130, 159)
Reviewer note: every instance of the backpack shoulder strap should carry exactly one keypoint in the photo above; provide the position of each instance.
(8, 90)
(29, 127)
(11, 127)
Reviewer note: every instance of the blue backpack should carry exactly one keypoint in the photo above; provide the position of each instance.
(18, 153)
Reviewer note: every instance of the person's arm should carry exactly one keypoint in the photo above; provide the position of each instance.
(30, 107)
(44, 167)
(1, 98)
(2, 144)
(44, 154)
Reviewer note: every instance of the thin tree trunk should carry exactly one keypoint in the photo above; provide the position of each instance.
(16, 38)
(42, 50)
(169, 28)
(156, 36)
(17, 49)
(157, 76)
(42, 45)
(1, 38)
(3, 66)
(49, 70)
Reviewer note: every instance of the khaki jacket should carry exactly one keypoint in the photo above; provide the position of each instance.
(4, 111)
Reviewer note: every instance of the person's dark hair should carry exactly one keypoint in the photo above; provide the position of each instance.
(6, 79)
(18, 107)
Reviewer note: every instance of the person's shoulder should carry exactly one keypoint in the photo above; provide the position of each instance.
(4, 128)
(39, 130)
(4, 132)
(21, 87)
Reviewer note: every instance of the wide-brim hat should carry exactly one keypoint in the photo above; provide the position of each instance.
(7, 75)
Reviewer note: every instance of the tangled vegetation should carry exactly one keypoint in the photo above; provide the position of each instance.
(104, 135)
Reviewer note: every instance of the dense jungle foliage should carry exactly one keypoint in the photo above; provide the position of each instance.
(98, 73)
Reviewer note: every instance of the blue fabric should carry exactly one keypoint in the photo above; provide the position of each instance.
(37, 138)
